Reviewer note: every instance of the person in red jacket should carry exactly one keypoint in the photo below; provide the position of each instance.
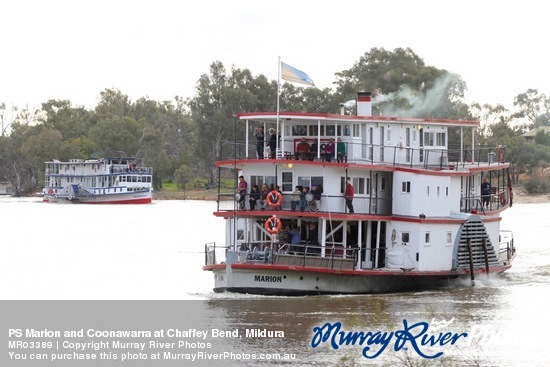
(348, 195)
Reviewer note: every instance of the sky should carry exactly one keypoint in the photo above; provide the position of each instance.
(74, 49)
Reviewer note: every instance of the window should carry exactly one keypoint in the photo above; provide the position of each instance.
(357, 182)
(356, 130)
(432, 139)
(405, 237)
(447, 191)
(406, 186)
(330, 130)
(260, 180)
(382, 183)
(307, 181)
(346, 130)
(427, 237)
(299, 130)
(388, 134)
(440, 139)
(428, 190)
(438, 190)
(313, 130)
(449, 238)
(286, 185)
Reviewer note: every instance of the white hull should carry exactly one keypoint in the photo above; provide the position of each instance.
(273, 279)
(121, 198)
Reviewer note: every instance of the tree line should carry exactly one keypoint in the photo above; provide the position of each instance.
(180, 139)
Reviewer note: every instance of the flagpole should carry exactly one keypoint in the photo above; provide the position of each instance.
(278, 101)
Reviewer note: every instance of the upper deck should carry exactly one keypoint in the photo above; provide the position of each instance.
(361, 141)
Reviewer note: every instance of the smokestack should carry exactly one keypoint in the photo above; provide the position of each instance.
(364, 104)
(342, 109)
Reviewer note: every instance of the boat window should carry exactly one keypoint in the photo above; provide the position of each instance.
(299, 130)
(405, 237)
(307, 181)
(313, 130)
(346, 130)
(359, 185)
(406, 186)
(260, 180)
(440, 139)
(449, 238)
(356, 130)
(432, 139)
(427, 237)
(330, 130)
(287, 182)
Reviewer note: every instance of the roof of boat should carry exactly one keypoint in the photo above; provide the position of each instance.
(301, 117)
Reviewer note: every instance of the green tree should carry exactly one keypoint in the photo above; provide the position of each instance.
(404, 85)
(534, 109)
(183, 176)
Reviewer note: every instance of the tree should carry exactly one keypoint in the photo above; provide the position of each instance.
(403, 85)
(183, 175)
(534, 108)
(219, 96)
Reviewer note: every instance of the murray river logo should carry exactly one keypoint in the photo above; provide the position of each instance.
(418, 337)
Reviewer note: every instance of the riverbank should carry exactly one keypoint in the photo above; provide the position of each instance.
(520, 197)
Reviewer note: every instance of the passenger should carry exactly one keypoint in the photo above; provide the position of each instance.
(295, 239)
(329, 150)
(278, 189)
(485, 192)
(254, 197)
(241, 190)
(341, 151)
(273, 142)
(313, 151)
(295, 198)
(317, 191)
(303, 202)
(302, 150)
(263, 196)
(259, 134)
(348, 195)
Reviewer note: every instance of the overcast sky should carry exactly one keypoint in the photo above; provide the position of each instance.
(71, 49)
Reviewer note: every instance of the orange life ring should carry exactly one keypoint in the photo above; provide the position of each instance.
(274, 195)
(273, 225)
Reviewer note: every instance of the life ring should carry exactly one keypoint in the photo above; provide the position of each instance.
(50, 192)
(273, 225)
(274, 195)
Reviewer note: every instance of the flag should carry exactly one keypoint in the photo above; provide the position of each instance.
(294, 75)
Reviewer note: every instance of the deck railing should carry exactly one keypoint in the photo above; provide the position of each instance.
(373, 154)
(310, 255)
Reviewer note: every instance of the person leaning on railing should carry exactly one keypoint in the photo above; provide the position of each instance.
(341, 151)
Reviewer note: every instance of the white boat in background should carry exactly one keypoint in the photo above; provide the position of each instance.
(419, 220)
(116, 180)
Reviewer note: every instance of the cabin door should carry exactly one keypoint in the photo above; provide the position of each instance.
(371, 143)
(363, 141)
(408, 144)
(381, 143)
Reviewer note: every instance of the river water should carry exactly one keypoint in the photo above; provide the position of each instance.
(155, 252)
